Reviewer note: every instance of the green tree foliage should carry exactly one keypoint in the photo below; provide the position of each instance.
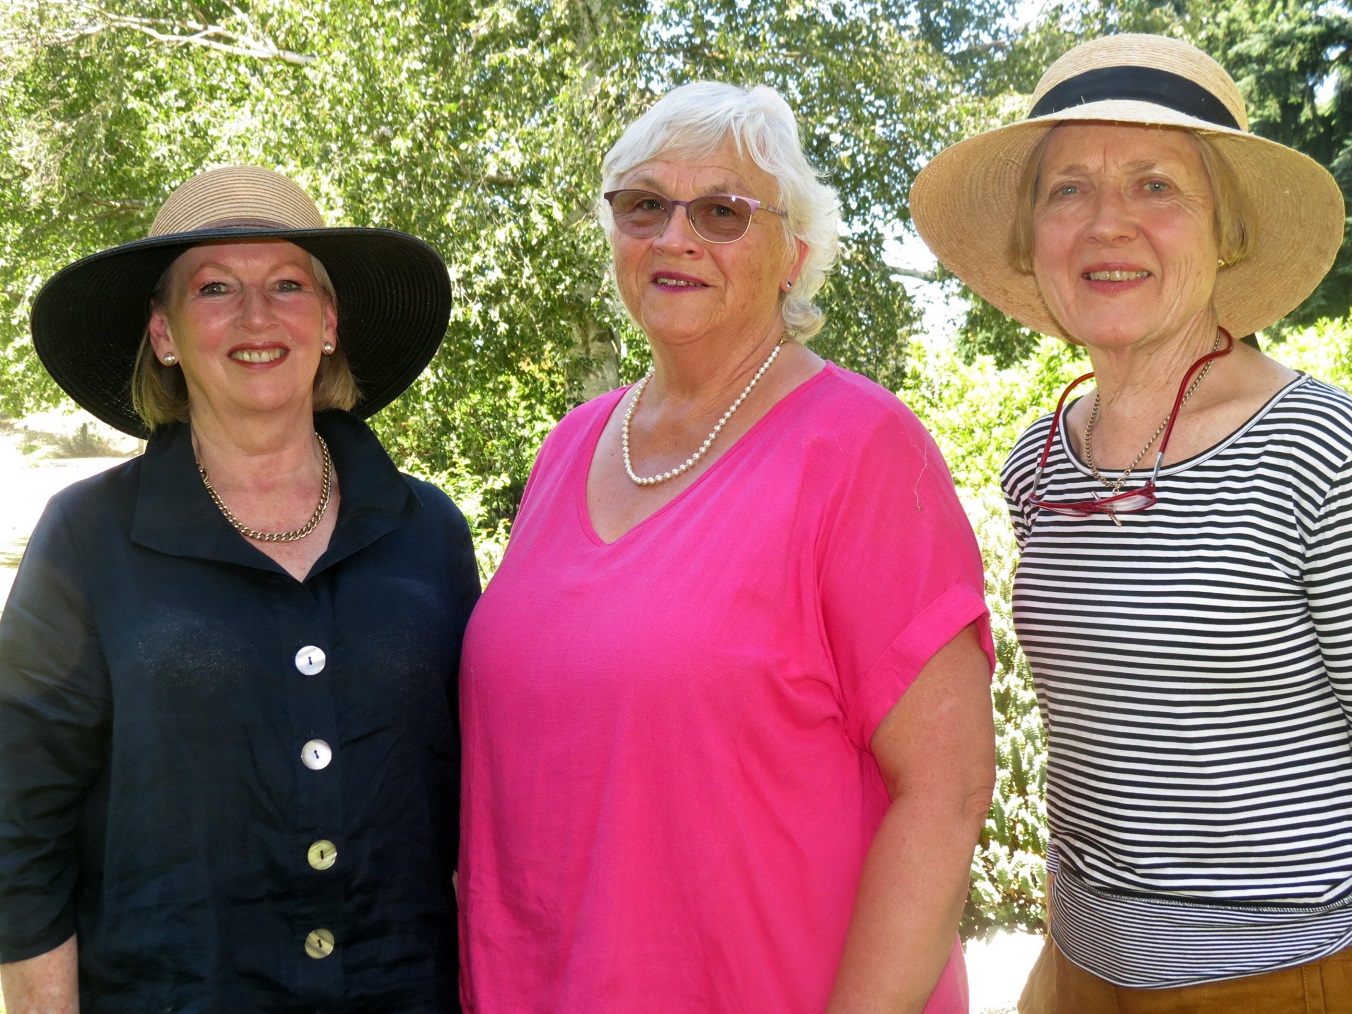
(480, 127)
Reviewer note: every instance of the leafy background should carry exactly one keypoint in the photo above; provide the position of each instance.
(480, 127)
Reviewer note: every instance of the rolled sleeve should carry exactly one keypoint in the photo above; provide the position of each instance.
(900, 570)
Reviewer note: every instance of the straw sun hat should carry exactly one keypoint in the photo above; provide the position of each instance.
(394, 294)
(963, 202)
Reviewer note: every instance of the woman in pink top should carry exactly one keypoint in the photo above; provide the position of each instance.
(727, 720)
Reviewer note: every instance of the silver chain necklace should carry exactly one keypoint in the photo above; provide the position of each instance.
(653, 480)
(291, 536)
(1116, 487)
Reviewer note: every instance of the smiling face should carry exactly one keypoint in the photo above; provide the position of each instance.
(246, 322)
(1124, 234)
(680, 288)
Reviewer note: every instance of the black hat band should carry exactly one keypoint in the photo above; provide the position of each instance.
(1141, 84)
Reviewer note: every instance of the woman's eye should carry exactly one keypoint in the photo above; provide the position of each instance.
(212, 289)
(290, 285)
(1157, 186)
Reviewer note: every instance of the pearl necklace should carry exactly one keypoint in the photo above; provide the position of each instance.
(1116, 487)
(641, 386)
(291, 536)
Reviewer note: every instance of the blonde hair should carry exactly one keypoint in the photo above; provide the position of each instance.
(1234, 235)
(159, 394)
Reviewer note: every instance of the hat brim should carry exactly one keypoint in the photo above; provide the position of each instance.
(963, 205)
(394, 302)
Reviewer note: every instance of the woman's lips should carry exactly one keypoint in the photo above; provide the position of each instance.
(1115, 275)
(270, 355)
(677, 281)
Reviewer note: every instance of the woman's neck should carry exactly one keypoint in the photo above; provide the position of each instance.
(1139, 376)
(710, 370)
(266, 452)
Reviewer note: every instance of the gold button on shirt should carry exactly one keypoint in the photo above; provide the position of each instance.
(322, 854)
(319, 943)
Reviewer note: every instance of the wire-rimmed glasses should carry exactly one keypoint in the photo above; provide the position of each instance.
(1127, 501)
(716, 218)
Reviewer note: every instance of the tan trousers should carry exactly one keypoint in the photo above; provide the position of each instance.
(1056, 986)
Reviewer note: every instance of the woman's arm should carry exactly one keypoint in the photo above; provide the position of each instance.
(47, 984)
(936, 752)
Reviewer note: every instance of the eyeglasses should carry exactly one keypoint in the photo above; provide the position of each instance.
(716, 218)
(1128, 501)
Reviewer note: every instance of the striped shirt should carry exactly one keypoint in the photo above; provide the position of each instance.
(1193, 668)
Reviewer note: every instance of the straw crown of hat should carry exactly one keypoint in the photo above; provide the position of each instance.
(394, 295)
(964, 201)
(236, 196)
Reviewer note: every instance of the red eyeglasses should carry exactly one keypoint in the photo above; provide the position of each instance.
(1127, 501)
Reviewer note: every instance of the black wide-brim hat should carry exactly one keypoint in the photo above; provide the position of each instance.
(394, 294)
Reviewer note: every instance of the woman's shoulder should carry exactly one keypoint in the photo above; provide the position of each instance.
(853, 401)
(587, 413)
(117, 484)
(1034, 435)
(1306, 412)
(434, 498)
(581, 421)
(91, 513)
(1307, 392)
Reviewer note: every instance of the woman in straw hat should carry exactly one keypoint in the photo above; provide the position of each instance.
(1186, 533)
(229, 767)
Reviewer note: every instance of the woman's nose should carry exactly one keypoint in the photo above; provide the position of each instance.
(255, 306)
(679, 233)
(1112, 216)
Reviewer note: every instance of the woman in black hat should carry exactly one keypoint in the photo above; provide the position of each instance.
(229, 770)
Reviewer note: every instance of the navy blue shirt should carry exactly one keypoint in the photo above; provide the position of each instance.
(240, 791)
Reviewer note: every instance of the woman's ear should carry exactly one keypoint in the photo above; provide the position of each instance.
(798, 263)
(158, 332)
(330, 322)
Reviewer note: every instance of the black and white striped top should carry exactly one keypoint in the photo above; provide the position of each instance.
(1194, 671)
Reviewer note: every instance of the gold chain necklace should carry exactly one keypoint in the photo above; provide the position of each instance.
(653, 480)
(1116, 487)
(291, 536)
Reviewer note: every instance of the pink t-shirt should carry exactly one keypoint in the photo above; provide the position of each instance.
(668, 791)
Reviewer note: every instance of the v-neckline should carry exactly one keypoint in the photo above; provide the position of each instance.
(583, 463)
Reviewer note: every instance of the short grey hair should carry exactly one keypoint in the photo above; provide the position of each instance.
(692, 121)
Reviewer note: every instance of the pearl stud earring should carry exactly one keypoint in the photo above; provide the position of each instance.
(169, 359)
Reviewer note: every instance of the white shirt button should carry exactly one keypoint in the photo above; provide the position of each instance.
(319, 943)
(316, 755)
(310, 660)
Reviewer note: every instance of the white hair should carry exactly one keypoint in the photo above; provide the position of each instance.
(692, 121)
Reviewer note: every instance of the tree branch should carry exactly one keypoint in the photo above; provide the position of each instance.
(249, 42)
(924, 276)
